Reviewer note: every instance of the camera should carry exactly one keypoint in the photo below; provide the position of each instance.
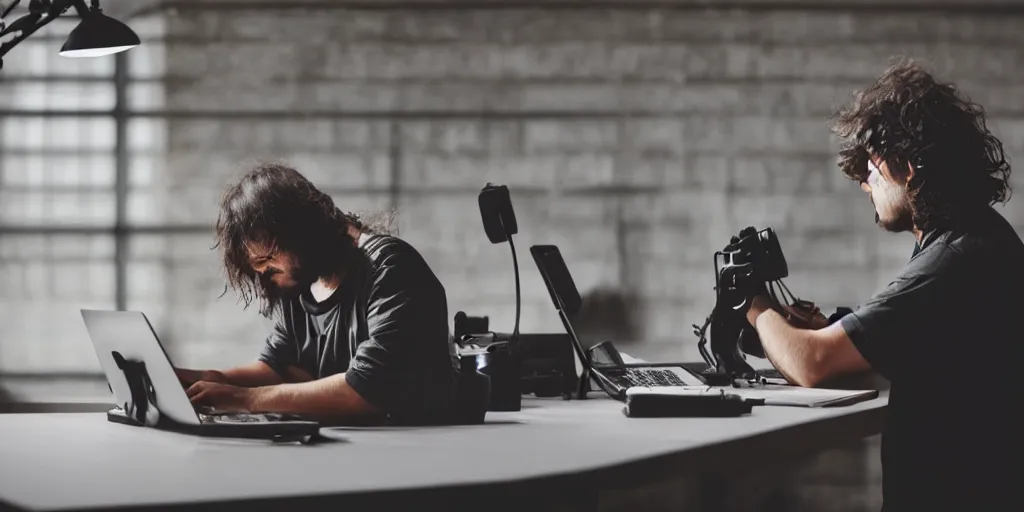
(753, 258)
(751, 264)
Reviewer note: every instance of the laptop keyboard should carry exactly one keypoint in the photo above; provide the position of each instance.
(770, 374)
(207, 415)
(648, 377)
(232, 418)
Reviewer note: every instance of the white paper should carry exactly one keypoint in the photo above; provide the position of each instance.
(773, 395)
(802, 397)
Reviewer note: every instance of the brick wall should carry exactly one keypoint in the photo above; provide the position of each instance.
(637, 139)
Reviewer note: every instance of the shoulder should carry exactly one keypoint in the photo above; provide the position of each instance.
(384, 250)
(966, 254)
(391, 256)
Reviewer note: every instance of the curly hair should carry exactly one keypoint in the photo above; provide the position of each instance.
(906, 117)
(275, 206)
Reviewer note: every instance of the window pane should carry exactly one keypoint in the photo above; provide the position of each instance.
(61, 133)
(41, 95)
(147, 96)
(145, 170)
(28, 59)
(21, 171)
(23, 132)
(62, 208)
(147, 135)
(145, 207)
(60, 171)
(48, 279)
(148, 60)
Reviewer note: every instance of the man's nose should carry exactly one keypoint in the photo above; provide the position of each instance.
(865, 187)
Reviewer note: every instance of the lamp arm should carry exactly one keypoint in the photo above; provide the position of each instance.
(30, 23)
(81, 9)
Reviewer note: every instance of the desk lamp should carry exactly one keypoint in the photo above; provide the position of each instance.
(502, 362)
(500, 224)
(95, 36)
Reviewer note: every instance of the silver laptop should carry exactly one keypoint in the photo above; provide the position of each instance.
(605, 366)
(130, 352)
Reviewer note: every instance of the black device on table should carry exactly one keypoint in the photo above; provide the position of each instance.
(546, 360)
(144, 382)
(635, 384)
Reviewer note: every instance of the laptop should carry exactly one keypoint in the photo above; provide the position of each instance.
(604, 365)
(148, 392)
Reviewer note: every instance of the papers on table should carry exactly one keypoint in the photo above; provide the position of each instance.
(793, 396)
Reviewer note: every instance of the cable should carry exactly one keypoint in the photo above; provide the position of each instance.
(702, 341)
(783, 285)
(515, 266)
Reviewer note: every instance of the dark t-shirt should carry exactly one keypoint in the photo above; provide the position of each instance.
(385, 328)
(946, 334)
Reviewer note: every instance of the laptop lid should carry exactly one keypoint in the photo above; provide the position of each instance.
(130, 334)
(567, 300)
(563, 291)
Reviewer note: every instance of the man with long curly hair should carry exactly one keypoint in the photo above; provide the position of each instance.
(946, 331)
(361, 332)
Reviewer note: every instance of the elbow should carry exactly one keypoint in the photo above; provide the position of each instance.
(813, 368)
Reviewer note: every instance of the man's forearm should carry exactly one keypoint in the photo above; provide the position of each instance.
(330, 398)
(791, 350)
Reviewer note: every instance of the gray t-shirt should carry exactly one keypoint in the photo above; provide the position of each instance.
(946, 334)
(385, 328)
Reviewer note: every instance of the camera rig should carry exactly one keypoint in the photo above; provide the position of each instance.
(751, 264)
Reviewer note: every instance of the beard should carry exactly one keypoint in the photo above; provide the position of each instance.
(900, 219)
(274, 295)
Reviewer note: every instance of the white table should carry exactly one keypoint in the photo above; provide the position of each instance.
(569, 449)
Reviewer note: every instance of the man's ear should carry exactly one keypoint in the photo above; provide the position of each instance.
(910, 173)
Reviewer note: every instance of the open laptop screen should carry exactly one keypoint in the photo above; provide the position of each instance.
(557, 278)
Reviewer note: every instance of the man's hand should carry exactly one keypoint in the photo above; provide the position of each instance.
(190, 377)
(222, 397)
(800, 316)
(803, 318)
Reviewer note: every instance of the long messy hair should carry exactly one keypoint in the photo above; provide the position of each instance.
(906, 117)
(276, 207)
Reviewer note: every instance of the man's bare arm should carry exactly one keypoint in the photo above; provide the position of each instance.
(806, 357)
(330, 397)
(251, 375)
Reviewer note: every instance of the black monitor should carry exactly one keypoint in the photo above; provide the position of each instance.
(556, 276)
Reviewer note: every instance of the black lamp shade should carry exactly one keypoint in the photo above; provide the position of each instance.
(98, 35)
